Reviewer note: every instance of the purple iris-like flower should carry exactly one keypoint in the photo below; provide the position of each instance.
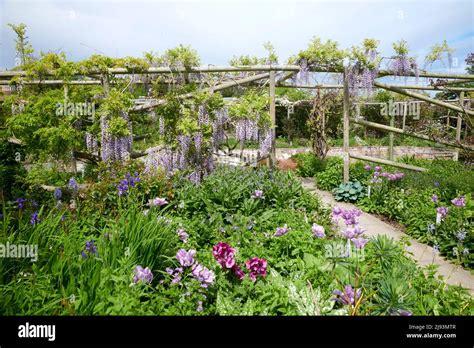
(203, 275)
(157, 202)
(34, 218)
(359, 242)
(434, 199)
(367, 167)
(353, 232)
(459, 201)
(280, 231)
(378, 168)
(142, 274)
(349, 296)
(123, 187)
(442, 211)
(224, 254)
(73, 186)
(257, 267)
(183, 235)
(20, 203)
(318, 231)
(258, 194)
(89, 248)
(57, 194)
(186, 258)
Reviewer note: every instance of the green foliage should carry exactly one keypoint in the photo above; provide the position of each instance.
(308, 164)
(23, 48)
(331, 177)
(438, 51)
(400, 47)
(351, 191)
(181, 56)
(324, 55)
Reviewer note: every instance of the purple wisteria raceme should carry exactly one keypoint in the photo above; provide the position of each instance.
(142, 274)
(280, 231)
(266, 140)
(349, 296)
(186, 258)
(257, 267)
(459, 201)
(318, 231)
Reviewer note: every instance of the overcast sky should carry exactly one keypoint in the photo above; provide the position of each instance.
(220, 29)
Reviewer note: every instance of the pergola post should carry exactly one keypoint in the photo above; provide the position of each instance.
(273, 118)
(346, 116)
(458, 127)
(390, 137)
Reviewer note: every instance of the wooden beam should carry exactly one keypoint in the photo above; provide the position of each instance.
(414, 135)
(422, 97)
(387, 162)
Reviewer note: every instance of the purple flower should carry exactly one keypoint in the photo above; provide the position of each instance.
(459, 201)
(434, 199)
(442, 211)
(34, 218)
(157, 202)
(203, 275)
(238, 272)
(122, 187)
(354, 232)
(461, 235)
(89, 248)
(142, 274)
(73, 185)
(359, 243)
(182, 235)
(378, 168)
(20, 203)
(57, 194)
(348, 296)
(367, 167)
(199, 307)
(318, 231)
(257, 267)
(224, 254)
(258, 194)
(186, 258)
(436, 183)
(280, 231)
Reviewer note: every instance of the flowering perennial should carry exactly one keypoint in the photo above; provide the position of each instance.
(257, 267)
(142, 274)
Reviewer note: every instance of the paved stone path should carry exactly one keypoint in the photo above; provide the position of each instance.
(423, 254)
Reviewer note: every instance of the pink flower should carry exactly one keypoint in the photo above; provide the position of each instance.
(157, 202)
(204, 275)
(186, 258)
(256, 267)
(238, 272)
(318, 231)
(224, 254)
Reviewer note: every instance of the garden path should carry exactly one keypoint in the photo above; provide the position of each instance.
(423, 254)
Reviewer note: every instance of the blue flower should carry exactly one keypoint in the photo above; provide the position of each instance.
(57, 194)
(34, 218)
(73, 185)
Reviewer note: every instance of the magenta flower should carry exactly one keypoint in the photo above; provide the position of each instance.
(359, 242)
(224, 254)
(238, 272)
(442, 211)
(459, 201)
(378, 168)
(348, 296)
(157, 202)
(142, 274)
(256, 267)
(434, 199)
(318, 231)
(204, 275)
(280, 231)
(186, 258)
(258, 194)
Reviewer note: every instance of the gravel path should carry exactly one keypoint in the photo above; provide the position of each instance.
(423, 254)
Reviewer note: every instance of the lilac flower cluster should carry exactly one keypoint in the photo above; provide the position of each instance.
(256, 267)
(349, 296)
(318, 231)
(280, 231)
(350, 216)
(378, 173)
(258, 194)
(459, 201)
(157, 202)
(72, 185)
(142, 274)
(57, 194)
(442, 212)
(89, 249)
(115, 148)
(246, 130)
(199, 272)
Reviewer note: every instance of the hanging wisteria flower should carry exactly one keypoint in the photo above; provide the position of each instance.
(20, 203)
(57, 194)
(73, 186)
(34, 218)
(459, 201)
(142, 274)
(89, 249)
(203, 275)
(257, 267)
(349, 296)
(318, 231)
(183, 235)
(186, 258)
(157, 202)
(258, 194)
(442, 211)
(360, 242)
(280, 231)
(224, 254)
(434, 199)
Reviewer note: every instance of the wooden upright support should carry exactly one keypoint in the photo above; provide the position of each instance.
(390, 137)
(458, 126)
(273, 117)
(346, 111)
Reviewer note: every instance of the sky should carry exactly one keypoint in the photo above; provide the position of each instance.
(219, 29)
